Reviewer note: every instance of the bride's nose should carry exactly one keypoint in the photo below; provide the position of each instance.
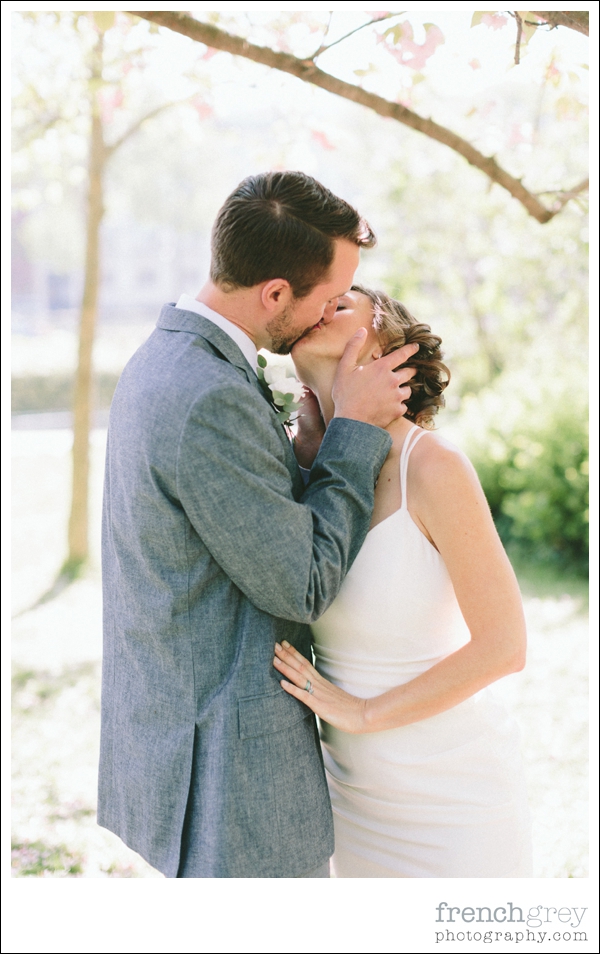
(329, 310)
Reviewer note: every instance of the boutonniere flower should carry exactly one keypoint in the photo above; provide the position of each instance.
(284, 387)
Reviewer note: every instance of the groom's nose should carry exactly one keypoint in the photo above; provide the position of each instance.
(329, 310)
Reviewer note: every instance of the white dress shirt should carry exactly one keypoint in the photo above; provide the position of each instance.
(244, 343)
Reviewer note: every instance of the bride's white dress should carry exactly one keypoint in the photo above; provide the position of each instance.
(441, 798)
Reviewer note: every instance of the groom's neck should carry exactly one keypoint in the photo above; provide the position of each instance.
(239, 306)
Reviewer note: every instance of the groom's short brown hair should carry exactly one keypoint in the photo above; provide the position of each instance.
(281, 225)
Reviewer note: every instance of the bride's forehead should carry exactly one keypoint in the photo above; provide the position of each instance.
(358, 299)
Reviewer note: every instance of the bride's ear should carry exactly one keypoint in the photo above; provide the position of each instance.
(371, 352)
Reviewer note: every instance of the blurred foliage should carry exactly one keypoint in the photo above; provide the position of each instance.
(554, 580)
(510, 301)
(55, 392)
(35, 859)
(492, 282)
(532, 459)
(532, 118)
(32, 688)
(52, 92)
(507, 295)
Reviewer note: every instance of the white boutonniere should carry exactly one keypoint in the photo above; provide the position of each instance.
(285, 389)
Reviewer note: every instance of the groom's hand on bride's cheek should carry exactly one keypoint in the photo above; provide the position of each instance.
(375, 393)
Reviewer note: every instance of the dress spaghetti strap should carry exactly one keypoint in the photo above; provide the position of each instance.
(412, 438)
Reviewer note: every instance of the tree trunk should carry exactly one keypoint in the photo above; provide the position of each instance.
(82, 400)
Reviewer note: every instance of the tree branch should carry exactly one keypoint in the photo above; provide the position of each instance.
(564, 196)
(323, 45)
(519, 35)
(109, 149)
(34, 131)
(576, 20)
(328, 46)
(308, 72)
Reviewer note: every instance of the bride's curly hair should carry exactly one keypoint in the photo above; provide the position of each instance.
(395, 326)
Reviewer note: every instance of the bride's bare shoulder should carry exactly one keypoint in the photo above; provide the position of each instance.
(438, 464)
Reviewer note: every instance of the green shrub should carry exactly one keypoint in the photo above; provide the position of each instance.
(532, 459)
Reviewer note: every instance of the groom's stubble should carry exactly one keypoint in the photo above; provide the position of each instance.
(283, 333)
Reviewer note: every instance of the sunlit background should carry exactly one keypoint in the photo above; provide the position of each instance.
(506, 293)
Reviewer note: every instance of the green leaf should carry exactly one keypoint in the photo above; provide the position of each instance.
(365, 72)
(395, 32)
(104, 20)
(262, 361)
(278, 398)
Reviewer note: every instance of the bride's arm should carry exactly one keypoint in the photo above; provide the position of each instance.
(445, 496)
(447, 501)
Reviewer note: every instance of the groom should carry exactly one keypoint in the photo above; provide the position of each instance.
(213, 548)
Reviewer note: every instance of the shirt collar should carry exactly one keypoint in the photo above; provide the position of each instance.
(244, 343)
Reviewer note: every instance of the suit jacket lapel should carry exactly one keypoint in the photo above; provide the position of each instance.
(176, 319)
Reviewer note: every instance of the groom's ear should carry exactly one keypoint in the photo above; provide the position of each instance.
(276, 294)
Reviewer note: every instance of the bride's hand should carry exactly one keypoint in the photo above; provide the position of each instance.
(330, 703)
(310, 430)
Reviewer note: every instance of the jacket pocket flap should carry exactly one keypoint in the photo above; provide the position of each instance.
(263, 715)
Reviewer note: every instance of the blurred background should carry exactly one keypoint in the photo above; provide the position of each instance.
(127, 139)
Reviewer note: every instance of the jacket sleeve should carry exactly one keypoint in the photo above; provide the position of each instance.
(288, 557)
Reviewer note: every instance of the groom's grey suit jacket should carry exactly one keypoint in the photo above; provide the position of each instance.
(213, 549)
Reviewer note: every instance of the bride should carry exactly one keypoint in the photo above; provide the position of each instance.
(423, 764)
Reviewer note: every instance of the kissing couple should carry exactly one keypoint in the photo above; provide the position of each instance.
(232, 554)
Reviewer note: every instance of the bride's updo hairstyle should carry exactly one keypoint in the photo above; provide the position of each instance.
(395, 326)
